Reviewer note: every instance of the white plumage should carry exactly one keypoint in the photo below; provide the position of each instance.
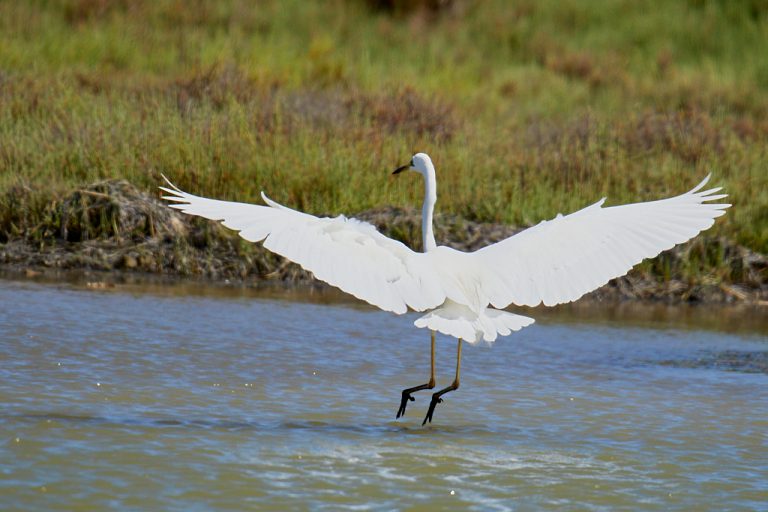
(553, 262)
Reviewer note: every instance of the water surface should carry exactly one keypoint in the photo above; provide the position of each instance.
(179, 398)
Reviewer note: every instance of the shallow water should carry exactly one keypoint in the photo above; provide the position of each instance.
(177, 398)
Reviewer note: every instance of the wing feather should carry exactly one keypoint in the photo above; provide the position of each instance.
(347, 253)
(560, 260)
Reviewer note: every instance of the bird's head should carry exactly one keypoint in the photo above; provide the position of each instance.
(420, 162)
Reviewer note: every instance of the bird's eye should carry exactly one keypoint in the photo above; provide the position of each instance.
(411, 164)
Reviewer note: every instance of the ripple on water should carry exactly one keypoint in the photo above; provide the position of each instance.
(156, 401)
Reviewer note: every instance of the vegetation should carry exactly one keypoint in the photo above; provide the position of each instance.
(529, 108)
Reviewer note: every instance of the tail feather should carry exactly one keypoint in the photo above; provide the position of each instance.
(461, 322)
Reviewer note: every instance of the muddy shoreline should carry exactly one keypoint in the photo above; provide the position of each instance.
(110, 231)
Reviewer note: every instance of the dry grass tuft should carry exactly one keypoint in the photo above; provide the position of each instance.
(81, 11)
(401, 7)
(109, 209)
(574, 65)
(409, 112)
(216, 86)
(689, 135)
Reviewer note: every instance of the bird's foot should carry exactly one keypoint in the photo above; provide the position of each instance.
(404, 402)
(407, 396)
(435, 400)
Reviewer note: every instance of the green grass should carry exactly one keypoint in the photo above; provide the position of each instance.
(528, 108)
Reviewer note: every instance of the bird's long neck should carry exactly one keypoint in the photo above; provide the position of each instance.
(430, 198)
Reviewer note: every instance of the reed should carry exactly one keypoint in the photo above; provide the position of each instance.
(528, 110)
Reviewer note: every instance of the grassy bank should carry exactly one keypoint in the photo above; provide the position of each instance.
(528, 108)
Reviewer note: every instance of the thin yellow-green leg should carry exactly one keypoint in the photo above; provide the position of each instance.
(429, 385)
(454, 386)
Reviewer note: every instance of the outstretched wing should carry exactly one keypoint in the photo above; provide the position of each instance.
(560, 260)
(346, 253)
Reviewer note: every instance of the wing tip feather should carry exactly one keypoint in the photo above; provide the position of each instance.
(170, 184)
(174, 198)
(701, 184)
(270, 202)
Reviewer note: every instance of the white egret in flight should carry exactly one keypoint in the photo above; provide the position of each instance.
(464, 293)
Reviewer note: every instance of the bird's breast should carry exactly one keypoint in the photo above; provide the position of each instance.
(460, 277)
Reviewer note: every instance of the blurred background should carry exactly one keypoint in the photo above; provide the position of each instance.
(528, 108)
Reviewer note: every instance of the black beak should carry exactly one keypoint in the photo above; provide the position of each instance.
(401, 169)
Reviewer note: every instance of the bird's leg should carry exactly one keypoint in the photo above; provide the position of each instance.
(429, 385)
(454, 386)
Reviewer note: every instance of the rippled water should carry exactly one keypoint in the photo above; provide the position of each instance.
(178, 399)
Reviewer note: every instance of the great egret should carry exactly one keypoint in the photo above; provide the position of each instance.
(463, 293)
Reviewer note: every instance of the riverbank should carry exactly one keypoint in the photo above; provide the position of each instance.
(112, 229)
